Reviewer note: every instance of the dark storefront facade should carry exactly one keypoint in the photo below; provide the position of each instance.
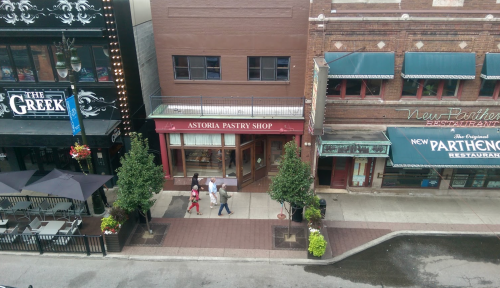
(35, 131)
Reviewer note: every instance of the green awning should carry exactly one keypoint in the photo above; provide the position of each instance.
(439, 65)
(354, 144)
(491, 66)
(360, 65)
(444, 147)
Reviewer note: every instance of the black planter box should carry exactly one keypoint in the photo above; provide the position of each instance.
(115, 242)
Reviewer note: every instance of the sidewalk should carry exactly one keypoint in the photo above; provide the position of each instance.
(353, 222)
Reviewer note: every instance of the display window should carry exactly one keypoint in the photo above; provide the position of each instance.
(362, 171)
(475, 178)
(410, 177)
(206, 162)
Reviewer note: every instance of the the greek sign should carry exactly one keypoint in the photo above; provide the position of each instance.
(35, 103)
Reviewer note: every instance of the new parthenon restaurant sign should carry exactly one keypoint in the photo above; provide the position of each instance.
(444, 147)
(455, 117)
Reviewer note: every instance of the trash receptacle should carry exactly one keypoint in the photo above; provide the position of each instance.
(297, 213)
(322, 207)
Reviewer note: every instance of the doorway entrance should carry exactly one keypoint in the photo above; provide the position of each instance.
(340, 172)
(247, 168)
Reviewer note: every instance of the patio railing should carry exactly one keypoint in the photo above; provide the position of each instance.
(36, 200)
(89, 244)
(227, 106)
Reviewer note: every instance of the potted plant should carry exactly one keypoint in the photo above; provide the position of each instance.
(317, 243)
(313, 216)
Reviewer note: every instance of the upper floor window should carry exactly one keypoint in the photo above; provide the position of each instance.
(36, 63)
(489, 89)
(431, 88)
(197, 67)
(269, 68)
(355, 88)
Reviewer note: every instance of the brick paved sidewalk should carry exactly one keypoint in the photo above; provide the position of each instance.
(242, 238)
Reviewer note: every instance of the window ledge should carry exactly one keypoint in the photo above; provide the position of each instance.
(221, 82)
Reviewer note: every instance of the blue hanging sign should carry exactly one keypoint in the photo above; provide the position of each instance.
(73, 116)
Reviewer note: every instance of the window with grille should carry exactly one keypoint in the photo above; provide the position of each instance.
(197, 67)
(268, 68)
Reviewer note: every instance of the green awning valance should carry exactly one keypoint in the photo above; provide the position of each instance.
(444, 147)
(491, 66)
(360, 65)
(439, 65)
(354, 144)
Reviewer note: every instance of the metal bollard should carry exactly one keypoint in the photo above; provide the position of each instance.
(322, 207)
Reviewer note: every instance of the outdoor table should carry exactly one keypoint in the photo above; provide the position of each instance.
(48, 231)
(62, 206)
(2, 230)
(23, 206)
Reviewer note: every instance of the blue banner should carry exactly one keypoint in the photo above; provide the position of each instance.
(73, 116)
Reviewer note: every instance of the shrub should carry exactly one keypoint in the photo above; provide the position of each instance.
(313, 215)
(314, 202)
(317, 243)
(118, 214)
(109, 225)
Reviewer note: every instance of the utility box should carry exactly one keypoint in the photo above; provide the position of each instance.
(322, 207)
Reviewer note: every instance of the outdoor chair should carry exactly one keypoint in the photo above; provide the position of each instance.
(10, 237)
(28, 237)
(73, 227)
(35, 225)
(79, 210)
(61, 240)
(6, 207)
(45, 209)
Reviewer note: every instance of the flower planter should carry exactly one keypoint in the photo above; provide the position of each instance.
(116, 241)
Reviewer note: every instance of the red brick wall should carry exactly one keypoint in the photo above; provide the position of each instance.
(400, 37)
(232, 31)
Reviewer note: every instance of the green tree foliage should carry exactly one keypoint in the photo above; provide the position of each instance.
(138, 178)
(292, 184)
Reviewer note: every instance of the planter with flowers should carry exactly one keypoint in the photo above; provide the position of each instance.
(116, 228)
(317, 244)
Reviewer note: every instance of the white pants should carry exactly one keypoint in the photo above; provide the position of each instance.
(213, 199)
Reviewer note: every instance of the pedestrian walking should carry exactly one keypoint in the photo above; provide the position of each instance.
(223, 200)
(194, 181)
(212, 189)
(194, 198)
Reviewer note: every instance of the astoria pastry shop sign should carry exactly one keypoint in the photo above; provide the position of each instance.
(455, 117)
(37, 103)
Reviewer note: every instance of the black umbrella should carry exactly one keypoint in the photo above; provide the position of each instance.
(13, 182)
(69, 184)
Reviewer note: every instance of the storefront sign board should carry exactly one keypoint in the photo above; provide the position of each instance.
(318, 96)
(236, 126)
(444, 147)
(354, 150)
(454, 117)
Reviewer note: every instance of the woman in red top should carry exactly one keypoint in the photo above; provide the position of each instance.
(195, 197)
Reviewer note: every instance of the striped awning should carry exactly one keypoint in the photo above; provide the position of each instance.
(360, 65)
(491, 66)
(439, 65)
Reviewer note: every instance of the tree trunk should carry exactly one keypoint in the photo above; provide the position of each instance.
(290, 214)
(147, 221)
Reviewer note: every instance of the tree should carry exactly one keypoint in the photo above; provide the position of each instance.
(138, 178)
(292, 184)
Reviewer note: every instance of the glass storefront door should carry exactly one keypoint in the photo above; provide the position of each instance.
(246, 163)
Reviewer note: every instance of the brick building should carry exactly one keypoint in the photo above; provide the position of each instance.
(232, 82)
(411, 95)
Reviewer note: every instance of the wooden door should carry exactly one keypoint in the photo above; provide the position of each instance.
(246, 165)
(340, 172)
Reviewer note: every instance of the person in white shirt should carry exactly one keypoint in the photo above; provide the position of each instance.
(212, 189)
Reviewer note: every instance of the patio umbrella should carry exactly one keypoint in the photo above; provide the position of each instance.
(69, 184)
(13, 182)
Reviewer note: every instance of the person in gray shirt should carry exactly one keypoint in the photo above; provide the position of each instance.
(223, 200)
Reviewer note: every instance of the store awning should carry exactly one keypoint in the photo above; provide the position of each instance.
(360, 65)
(444, 147)
(439, 65)
(491, 66)
(54, 133)
(354, 144)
